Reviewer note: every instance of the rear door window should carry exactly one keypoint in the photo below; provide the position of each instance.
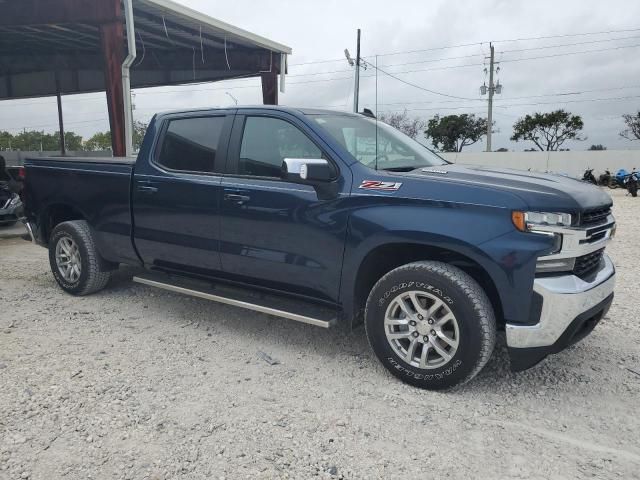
(191, 144)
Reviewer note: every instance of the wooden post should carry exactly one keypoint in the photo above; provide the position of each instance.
(63, 147)
(112, 41)
(270, 87)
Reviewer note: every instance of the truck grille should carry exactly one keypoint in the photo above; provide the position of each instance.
(588, 264)
(595, 216)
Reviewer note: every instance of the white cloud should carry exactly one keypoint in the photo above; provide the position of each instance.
(321, 30)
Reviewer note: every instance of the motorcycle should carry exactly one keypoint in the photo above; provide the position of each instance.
(589, 177)
(606, 180)
(631, 182)
(10, 206)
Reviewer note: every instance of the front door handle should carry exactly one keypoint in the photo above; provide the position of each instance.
(147, 189)
(236, 198)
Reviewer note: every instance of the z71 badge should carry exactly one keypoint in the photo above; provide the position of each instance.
(380, 186)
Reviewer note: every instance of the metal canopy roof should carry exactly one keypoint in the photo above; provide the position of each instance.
(176, 45)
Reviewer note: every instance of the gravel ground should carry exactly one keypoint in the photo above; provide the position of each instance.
(137, 383)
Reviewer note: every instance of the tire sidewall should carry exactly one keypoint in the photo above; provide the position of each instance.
(61, 231)
(468, 353)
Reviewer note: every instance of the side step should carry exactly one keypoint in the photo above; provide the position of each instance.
(257, 301)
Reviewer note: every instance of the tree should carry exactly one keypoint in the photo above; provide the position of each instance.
(6, 140)
(99, 141)
(72, 141)
(632, 132)
(139, 129)
(597, 147)
(407, 125)
(548, 131)
(454, 132)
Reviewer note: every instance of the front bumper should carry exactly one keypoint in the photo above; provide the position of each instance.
(9, 215)
(571, 308)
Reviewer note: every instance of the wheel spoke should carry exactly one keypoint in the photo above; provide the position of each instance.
(396, 321)
(437, 304)
(441, 351)
(453, 343)
(448, 317)
(425, 353)
(411, 350)
(398, 335)
(404, 307)
(417, 306)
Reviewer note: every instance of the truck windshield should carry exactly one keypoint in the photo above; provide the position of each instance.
(376, 144)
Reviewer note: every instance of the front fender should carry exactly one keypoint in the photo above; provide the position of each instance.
(482, 234)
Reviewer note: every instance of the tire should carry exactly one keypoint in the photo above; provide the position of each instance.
(93, 271)
(472, 330)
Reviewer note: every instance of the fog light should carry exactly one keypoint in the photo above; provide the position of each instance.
(555, 265)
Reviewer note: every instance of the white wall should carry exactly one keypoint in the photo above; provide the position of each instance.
(16, 158)
(573, 163)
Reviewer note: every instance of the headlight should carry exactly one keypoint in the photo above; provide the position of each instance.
(14, 201)
(542, 223)
(529, 221)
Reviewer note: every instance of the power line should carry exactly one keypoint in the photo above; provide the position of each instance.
(418, 86)
(522, 97)
(613, 99)
(548, 37)
(570, 53)
(562, 45)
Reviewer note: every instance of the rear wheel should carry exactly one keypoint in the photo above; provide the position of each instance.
(75, 262)
(430, 324)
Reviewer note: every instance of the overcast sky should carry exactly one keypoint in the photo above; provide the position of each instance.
(608, 76)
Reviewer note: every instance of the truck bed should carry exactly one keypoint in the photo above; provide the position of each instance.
(93, 160)
(96, 188)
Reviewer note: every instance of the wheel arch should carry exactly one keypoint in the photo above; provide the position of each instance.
(383, 258)
(55, 214)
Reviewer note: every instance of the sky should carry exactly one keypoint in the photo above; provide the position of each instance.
(596, 76)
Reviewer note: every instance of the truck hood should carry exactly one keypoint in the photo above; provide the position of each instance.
(540, 191)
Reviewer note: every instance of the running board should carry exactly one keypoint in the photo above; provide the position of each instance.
(250, 300)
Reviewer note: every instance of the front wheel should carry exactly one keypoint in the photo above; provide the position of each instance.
(430, 324)
(75, 262)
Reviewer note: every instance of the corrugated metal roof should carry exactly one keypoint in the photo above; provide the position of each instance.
(176, 45)
(195, 20)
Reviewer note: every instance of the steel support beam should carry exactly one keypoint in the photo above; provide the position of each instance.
(63, 147)
(270, 87)
(112, 41)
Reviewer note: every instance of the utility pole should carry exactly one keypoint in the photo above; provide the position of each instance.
(492, 89)
(356, 90)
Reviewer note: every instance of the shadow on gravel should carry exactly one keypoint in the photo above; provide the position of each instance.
(273, 332)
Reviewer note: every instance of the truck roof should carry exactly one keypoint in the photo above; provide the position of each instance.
(279, 108)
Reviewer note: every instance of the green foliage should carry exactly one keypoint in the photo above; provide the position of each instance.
(32, 140)
(632, 132)
(454, 132)
(99, 141)
(139, 129)
(548, 131)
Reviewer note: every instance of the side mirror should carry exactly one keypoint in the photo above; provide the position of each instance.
(306, 170)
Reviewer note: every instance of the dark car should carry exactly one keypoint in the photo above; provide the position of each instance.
(335, 219)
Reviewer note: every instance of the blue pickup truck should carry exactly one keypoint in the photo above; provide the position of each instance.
(332, 219)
